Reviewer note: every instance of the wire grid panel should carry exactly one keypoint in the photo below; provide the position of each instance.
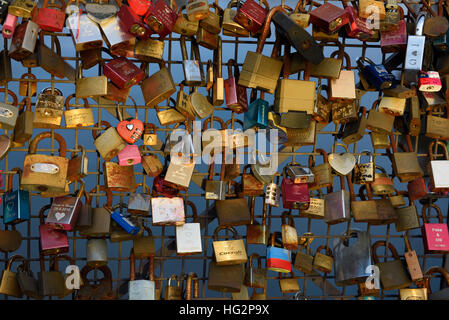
(166, 260)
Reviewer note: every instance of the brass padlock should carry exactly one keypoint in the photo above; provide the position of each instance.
(150, 50)
(109, 144)
(379, 121)
(322, 173)
(9, 285)
(173, 292)
(289, 233)
(323, 262)
(119, 178)
(91, 87)
(257, 233)
(24, 124)
(288, 285)
(78, 117)
(158, 87)
(77, 168)
(8, 112)
(230, 27)
(405, 164)
(49, 109)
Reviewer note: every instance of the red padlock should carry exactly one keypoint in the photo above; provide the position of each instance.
(123, 73)
(294, 195)
(161, 18)
(52, 241)
(140, 7)
(161, 187)
(329, 17)
(236, 95)
(133, 23)
(50, 19)
(9, 26)
(357, 27)
(416, 189)
(394, 40)
(435, 235)
(429, 81)
(129, 130)
(252, 15)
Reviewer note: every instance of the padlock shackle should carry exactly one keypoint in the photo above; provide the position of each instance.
(284, 216)
(42, 212)
(407, 242)
(219, 228)
(21, 105)
(14, 258)
(266, 27)
(56, 42)
(433, 270)
(346, 56)
(102, 123)
(108, 195)
(55, 265)
(219, 120)
(67, 105)
(420, 20)
(383, 243)
(434, 206)
(439, 143)
(15, 101)
(367, 153)
(17, 170)
(326, 248)
(107, 274)
(273, 238)
(194, 210)
(312, 157)
(259, 260)
(48, 134)
(192, 277)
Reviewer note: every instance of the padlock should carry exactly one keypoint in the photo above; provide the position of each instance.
(316, 208)
(161, 18)
(259, 71)
(354, 131)
(8, 112)
(52, 62)
(85, 33)
(357, 27)
(90, 58)
(255, 277)
(436, 169)
(119, 178)
(24, 40)
(28, 87)
(278, 258)
(435, 235)
(168, 211)
(207, 39)
(294, 196)
(109, 144)
(141, 289)
(84, 220)
(96, 252)
(188, 235)
(9, 285)
(288, 285)
(5, 67)
(338, 205)
(364, 210)
(322, 107)
(52, 241)
(216, 190)
(379, 121)
(300, 15)
(329, 17)
(125, 223)
(375, 74)
(123, 73)
(101, 290)
(22, 8)
(173, 292)
(101, 219)
(218, 91)
(392, 273)
(405, 164)
(50, 19)
(129, 130)
(257, 114)
(158, 87)
(78, 117)
(64, 211)
(162, 188)
(230, 27)
(233, 211)
(229, 252)
(257, 233)
(132, 22)
(78, 166)
(26, 281)
(394, 14)
(149, 50)
(116, 37)
(212, 22)
(394, 40)
(439, 295)
(91, 87)
(366, 9)
(251, 186)
(436, 127)
(289, 233)
(143, 246)
(304, 261)
(184, 26)
(429, 81)
(139, 203)
(411, 258)
(364, 172)
(343, 88)
(16, 203)
(415, 46)
(352, 261)
(42, 172)
(49, 109)
(193, 69)
(129, 155)
(322, 173)
(236, 95)
(341, 163)
(251, 15)
(413, 294)
(382, 183)
(397, 199)
(323, 262)
(151, 163)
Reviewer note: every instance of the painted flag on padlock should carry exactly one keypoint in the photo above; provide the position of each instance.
(429, 81)
(278, 259)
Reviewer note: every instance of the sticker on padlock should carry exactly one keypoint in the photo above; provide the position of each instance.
(429, 81)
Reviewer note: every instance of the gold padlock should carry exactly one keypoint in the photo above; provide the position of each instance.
(78, 117)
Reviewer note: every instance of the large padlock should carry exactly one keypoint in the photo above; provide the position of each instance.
(24, 40)
(323, 262)
(52, 241)
(43, 172)
(119, 178)
(294, 195)
(415, 46)
(9, 285)
(50, 19)
(188, 236)
(158, 87)
(229, 252)
(83, 117)
(435, 235)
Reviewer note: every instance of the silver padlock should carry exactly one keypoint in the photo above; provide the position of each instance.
(273, 195)
(415, 46)
(193, 70)
(97, 252)
(300, 174)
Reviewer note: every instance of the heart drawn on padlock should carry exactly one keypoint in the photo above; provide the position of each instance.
(59, 215)
(130, 131)
(342, 163)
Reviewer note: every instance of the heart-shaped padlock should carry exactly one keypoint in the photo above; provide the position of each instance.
(342, 163)
(129, 130)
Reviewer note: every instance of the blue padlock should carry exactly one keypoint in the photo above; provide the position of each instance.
(16, 204)
(375, 74)
(257, 114)
(122, 221)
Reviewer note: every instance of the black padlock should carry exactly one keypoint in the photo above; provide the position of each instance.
(4, 4)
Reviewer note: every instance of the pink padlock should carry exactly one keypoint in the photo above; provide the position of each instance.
(236, 95)
(429, 81)
(9, 26)
(129, 155)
